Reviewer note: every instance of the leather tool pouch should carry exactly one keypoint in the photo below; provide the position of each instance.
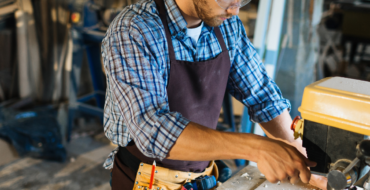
(166, 179)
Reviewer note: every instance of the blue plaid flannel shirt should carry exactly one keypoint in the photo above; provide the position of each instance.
(137, 65)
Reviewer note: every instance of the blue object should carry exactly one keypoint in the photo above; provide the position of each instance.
(25, 115)
(34, 134)
(195, 187)
(224, 172)
(204, 183)
(187, 186)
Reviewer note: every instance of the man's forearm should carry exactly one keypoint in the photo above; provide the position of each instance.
(198, 143)
(279, 128)
(276, 159)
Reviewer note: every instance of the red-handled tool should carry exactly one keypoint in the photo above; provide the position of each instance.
(152, 175)
(294, 124)
(297, 127)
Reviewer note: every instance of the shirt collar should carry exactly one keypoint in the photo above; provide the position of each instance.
(177, 24)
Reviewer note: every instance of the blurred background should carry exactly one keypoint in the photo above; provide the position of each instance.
(52, 83)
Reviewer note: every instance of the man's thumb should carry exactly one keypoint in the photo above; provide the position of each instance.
(310, 163)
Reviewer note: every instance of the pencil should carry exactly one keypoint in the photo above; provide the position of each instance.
(152, 176)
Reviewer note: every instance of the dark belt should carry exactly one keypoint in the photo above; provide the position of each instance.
(128, 159)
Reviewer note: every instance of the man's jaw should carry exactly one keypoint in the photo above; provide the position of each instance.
(223, 18)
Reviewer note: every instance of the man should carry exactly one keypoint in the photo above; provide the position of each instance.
(168, 64)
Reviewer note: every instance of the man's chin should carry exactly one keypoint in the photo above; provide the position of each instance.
(214, 22)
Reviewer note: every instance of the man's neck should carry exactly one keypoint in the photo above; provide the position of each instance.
(188, 12)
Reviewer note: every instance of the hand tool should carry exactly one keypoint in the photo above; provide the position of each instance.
(152, 176)
(187, 186)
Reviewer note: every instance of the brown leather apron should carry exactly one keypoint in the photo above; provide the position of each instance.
(196, 90)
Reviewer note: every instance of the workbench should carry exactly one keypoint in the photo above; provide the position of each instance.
(250, 178)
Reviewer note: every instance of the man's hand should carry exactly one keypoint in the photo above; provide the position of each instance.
(278, 129)
(316, 180)
(319, 181)
(279, 161)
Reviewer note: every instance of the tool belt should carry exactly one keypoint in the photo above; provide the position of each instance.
(164, 178)
(167, 179)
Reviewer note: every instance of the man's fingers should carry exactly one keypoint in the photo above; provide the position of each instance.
(304, 172)
(271, 179)
(310, 163)
(285, 163)
(305, 175)
(282, 176)
(270, 173)
(319, 181)
(294, 178)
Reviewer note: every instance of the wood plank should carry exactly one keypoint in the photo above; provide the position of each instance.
(8, 9)
(68, 68)
(34, 51)
(23, 66)
(8, 153)
(28, 49)
(2, 95)
(58, 85)
(250, 178)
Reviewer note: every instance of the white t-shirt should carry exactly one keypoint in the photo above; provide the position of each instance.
(194, 33)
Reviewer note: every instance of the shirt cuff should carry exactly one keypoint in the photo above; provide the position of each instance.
(267, 111)
(172, 125)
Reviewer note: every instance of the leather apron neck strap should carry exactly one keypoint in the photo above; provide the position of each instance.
(163, 15)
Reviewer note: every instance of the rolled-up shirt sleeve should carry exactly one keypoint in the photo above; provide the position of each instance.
(136, 85)
(250, 84)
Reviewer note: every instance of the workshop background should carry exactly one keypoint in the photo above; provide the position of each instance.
(52, 84)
